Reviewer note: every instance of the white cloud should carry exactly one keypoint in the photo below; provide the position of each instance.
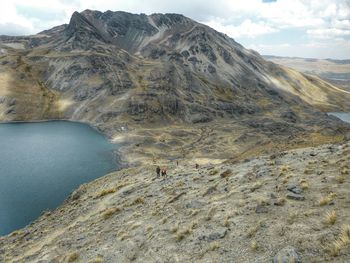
(328, 33)
(335, 48)
(247, 28)
(241, 19)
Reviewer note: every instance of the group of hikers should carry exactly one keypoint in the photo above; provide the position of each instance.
(163, 172)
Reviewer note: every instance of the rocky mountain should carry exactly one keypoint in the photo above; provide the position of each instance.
(120, 67)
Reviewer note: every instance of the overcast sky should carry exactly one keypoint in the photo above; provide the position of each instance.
(304, 28)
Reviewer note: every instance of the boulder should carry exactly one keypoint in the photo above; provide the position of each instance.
(287, 255)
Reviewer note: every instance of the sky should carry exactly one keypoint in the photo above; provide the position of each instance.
(295, 28)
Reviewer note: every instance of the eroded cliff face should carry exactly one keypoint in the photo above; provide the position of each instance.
(116, 67)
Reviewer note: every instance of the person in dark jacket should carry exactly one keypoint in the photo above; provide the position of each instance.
(158, 171)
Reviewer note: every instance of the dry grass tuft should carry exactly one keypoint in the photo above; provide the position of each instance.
(210, 214)
(253, 230)
(110, 211)
(183, 233)
(72, 257)
(123, 237)
(292, 217)
(194, 225)
(303, 184)
(226, 221)
(280, 201)
(138, 201)
(179, 184)
(255, 186)
(340, 179)
(345, 170)
(226, 173)
(284, 168)
(149, 228)
(254, 245)
(326, 199)
(214, 245)
(308, 171)
(342, 241)
(96, 260)
(213, 172)
(174, 229)
(330, 218)
(263, 201)
(107, 191)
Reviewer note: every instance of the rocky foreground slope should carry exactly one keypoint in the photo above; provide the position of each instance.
(291, 206)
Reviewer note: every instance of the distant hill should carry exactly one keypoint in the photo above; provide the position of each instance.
(334, 71)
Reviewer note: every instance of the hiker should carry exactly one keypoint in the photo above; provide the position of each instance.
(197, 165)
(164, 172)
(158, 171)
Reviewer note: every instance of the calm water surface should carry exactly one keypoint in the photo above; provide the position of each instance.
(41, 163)
(344, 116)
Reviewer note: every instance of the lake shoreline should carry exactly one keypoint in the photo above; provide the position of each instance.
(115, 158)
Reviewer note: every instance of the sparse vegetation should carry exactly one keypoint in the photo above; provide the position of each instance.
(180, 235)
(326, 199)
(253, 230)
(330, 217)
(226, 173)
(292, 217)
(256, 186)
(226, 221)
(214, 245)
(214, 172)
(254, 245)
(210, 214)
(72, 257)
(340, 179)
(303, 184)
(106, 192)
(174, 229)
(138, 201)
(110, 212)
(284, 168)
(308, 171)
(96, 260)
(345, 170)
(342, 241)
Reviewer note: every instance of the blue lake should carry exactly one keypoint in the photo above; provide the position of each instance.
(41, 163)
(344, 116)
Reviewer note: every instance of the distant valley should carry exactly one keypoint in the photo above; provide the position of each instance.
(334, 71)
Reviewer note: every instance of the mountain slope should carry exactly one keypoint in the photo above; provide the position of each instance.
(243, 212)
(120, 67)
